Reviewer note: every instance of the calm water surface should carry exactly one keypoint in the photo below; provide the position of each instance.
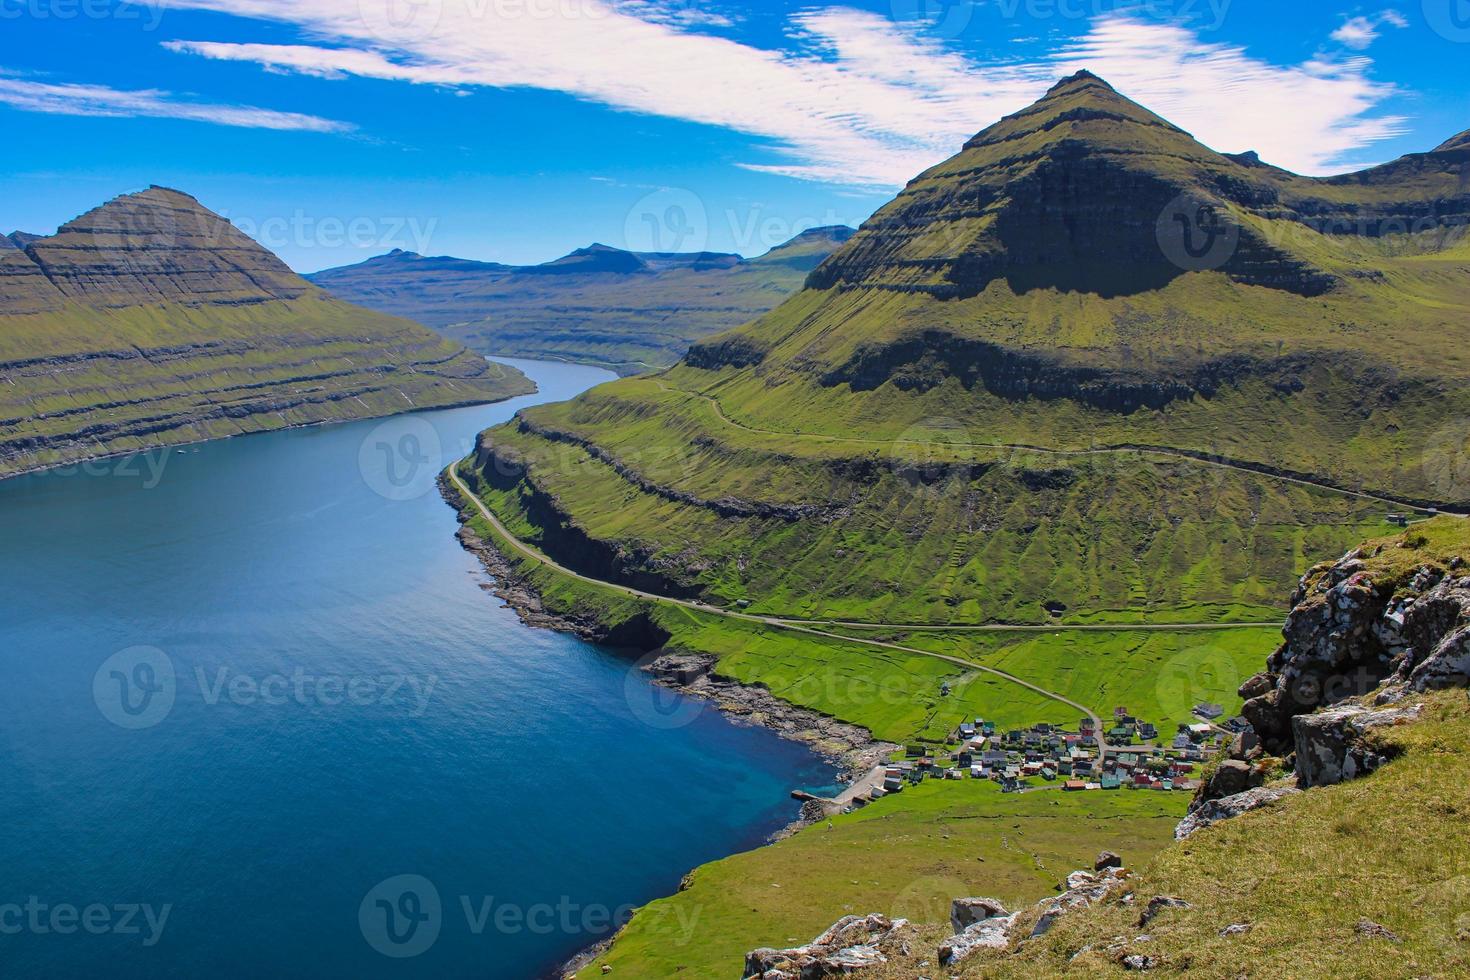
(259, 718)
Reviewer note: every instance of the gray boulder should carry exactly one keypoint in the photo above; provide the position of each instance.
(987, 934)
(1083, 888)
(1332, 746)
(1229, 807)
(851, 944)
(965, 912)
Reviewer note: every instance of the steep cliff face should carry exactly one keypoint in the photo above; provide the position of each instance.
(151, 321)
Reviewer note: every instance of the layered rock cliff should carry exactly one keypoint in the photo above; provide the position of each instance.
(151, 321)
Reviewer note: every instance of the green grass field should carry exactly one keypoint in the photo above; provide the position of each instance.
(906, 855)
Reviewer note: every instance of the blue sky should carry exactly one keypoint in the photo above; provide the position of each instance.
(517, 130)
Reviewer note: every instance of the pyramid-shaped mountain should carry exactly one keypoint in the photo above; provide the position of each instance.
(1088, 363)
(1088, 191)
(151, 320)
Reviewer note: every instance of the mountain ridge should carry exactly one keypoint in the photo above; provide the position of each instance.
(150, 320)
(602, 305)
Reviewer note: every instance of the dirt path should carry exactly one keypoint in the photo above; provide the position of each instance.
(790, 625)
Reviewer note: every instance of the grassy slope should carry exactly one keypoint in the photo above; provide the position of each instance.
(1109, 536)
(1390, 848)
(907, 856)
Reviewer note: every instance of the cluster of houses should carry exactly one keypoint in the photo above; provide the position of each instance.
(1018, 758)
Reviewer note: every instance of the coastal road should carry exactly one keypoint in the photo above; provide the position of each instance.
(796, 626)
(1202, 459)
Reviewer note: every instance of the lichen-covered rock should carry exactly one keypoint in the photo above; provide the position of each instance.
(965, 912)
(851, 944)
(1105, 860)
(992, 934)
(1083, 888)
(1351, 629)
(1229, 807)
(1332, 746)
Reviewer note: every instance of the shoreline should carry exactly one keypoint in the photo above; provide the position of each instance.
(169, 447)
(851, 748)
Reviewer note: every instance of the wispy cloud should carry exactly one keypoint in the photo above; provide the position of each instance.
(850, 98)
(99, 100)
(1359, 33)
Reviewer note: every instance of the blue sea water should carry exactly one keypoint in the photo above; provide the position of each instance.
(259, 718)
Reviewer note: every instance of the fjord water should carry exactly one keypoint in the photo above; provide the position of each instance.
(248, 684)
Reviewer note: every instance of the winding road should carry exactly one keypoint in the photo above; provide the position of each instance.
(810, 628)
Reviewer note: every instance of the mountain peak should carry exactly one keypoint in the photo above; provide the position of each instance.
(160, 245)
(1460, 142)
(1083, 79)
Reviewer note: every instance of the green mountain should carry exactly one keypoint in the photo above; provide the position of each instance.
(1011, 378)
(152, 321)
(1050, 436)
(627, 311)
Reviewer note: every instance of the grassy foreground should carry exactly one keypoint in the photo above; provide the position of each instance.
(907, 855)
(1389, 848)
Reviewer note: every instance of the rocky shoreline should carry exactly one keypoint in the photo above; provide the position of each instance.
(851, 748)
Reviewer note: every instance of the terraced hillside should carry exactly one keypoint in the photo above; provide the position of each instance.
(152, 321)
(627, 311)
(1015, 396)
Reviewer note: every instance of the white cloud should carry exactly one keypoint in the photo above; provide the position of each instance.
(851, 98)
(99, 100)
(1359, 33)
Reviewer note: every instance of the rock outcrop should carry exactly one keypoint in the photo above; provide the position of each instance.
(979, 924)
(1213, 811)
(1333, 746)
(1354, 628)
(1082, 889)
(851, 944)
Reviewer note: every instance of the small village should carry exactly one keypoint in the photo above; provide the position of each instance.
(1132, 754)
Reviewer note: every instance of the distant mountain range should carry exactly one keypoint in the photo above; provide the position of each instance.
(152, 321)
(628, 311)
